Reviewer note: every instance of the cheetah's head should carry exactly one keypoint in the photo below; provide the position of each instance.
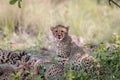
(59, 32)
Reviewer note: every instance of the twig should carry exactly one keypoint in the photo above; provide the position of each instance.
(114, 3)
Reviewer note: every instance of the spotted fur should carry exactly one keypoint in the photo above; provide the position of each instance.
(22, 60)
(53, 72)
(70, 53)
(11, 57)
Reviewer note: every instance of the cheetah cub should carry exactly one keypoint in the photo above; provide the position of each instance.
(71, 54)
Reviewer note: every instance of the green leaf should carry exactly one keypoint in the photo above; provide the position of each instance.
(12, 2)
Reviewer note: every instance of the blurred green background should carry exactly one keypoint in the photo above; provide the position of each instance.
(93, 20)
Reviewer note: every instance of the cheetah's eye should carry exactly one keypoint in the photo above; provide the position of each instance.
(56, 31)
(62, 31)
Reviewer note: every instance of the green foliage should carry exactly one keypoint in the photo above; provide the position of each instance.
(37, 78)
(15, 76)
(12, 2)
(109, 59)
(19, 75)
(116, 39)
(77, 75)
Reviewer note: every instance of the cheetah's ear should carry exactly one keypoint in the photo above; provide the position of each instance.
(51, 28)
(67, 28)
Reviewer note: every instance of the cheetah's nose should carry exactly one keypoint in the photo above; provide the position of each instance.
(59, 35)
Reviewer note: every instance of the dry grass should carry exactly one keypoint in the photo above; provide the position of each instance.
(86, 19)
